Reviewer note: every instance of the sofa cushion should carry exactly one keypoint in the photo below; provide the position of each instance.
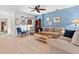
(75, 38)
(65, 38)
(69, 33)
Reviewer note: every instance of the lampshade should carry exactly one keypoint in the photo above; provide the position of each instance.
(62, 30)
(75, 21)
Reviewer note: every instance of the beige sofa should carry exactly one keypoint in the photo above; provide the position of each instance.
(70, 45)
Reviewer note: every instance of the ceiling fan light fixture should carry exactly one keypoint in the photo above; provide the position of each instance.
(37, 8)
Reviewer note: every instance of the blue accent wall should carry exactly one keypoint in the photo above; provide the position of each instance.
(67, 15)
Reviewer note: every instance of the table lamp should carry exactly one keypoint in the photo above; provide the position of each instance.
(75, 21)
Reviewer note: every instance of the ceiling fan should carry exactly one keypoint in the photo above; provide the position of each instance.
(37, 8)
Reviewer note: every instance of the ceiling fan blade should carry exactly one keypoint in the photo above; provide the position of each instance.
(32, 10)
(38, 11)
(30, 7)
(42, 9)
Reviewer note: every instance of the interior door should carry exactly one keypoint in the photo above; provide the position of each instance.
(37, 24)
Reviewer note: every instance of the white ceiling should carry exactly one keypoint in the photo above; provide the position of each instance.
(25, 9)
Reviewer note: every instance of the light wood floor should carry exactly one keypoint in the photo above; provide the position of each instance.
(25, 45)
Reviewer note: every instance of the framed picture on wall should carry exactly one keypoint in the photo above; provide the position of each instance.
(29, 21)
(17, 21)
(57, 19)
(23, 22)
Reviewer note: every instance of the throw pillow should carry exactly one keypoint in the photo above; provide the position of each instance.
(69, 33)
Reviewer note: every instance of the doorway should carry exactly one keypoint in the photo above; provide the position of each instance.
(38, 25)
(3, 26)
